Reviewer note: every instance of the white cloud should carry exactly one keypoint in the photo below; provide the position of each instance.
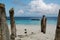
(41, 7)
(21, 11)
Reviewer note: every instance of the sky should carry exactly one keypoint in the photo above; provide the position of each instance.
(32, 8)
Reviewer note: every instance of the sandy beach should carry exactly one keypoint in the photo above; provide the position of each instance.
(34, 32)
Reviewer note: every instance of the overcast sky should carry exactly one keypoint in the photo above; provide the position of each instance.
(32, 8)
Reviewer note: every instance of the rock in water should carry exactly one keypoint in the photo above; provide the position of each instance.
(12, 22)
(4, 31)
(57, 36)
(43, 24)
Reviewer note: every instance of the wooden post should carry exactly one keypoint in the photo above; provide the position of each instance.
(43, 24)
(12, 22)
(4, 31)
(57, 36)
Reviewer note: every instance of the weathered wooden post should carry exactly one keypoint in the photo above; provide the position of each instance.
(4, 31)
(12, 22)
(57, 36)
(43, 24)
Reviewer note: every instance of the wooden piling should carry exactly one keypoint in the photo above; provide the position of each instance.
(43, 24)
(57, 36)
(4, 31)
(12, 22)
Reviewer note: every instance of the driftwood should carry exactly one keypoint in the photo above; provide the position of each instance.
(43, 24)
(57, 36)
(4, 31)
(12, 22)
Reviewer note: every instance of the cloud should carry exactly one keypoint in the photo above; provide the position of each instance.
(39, 6)
(21, 11)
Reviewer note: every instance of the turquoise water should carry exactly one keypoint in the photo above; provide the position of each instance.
(52, 20)
(26, 22)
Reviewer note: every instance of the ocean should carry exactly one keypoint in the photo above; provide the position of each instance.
(32, 20)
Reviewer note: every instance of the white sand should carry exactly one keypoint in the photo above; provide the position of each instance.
(37, 34)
